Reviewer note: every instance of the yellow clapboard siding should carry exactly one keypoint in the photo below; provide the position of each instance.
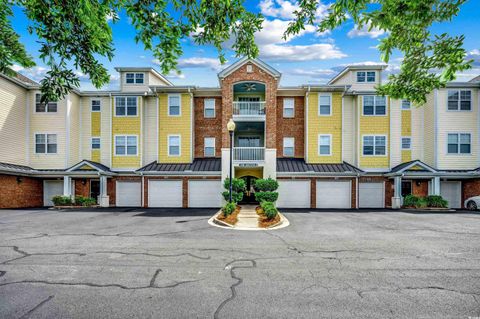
(95, 130)
(318, 125)
(406, 123)
(96, 156)
(406, 156)
(175, 125)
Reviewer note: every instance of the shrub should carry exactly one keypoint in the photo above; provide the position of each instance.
(269, 209)
(266, 185)
(238, 185)
(436, 201)
(266, 196)
(62, 200)
(236, 197)
(410, 201)
(422, 203)
(228, 209)
(85, 201)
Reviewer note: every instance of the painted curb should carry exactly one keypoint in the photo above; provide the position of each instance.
(216, 223)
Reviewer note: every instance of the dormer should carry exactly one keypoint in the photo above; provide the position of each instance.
(138, 79)
(360, 77)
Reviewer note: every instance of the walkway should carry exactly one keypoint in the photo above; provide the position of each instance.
(247, 218)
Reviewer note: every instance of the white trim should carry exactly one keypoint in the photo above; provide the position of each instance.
(134, 78)
(80, 129)
(192, 128)
(205, 146)
(126, 106)
(110, 133)
(330, 144)
(374, 144)
(357, 135)
(46, 142)
(205, 108)
(293, 146)
(401, 143)
(375, 106)
(46, 105)
(292, 107)
(409, 105)
(27, 129)
(91, 143)
(435, 128)
(67, 126)
(179, 104)
(318, 105)
(179, 145)
(126, 145)
(140, 101)
(458, 143)
(157, 123)
(343, 128)
(95, 99)
(366, 76)
(460, 99)
(306, 125)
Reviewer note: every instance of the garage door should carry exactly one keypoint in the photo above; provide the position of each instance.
(294, 194)
(371, 195)
(128, 194)
(452, 192)
(165, 193)
(204, 193)
(50, 189)
(334, 194)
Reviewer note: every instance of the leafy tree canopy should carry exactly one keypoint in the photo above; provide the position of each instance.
(76, 32)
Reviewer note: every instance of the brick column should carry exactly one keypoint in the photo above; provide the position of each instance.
(313, 193)
(185, 192)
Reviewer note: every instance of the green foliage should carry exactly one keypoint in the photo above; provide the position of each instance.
(85, 201)
(410, 201)
(236, 197)
(62, 200)
(436, 201)
(266, 196)
(266, 185)
(422, 202)
(238, 185)
(269, 209)
(228, 209)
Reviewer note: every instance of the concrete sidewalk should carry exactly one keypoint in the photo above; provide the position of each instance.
(247, 218)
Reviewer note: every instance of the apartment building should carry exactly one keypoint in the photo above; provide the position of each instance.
(154, 144)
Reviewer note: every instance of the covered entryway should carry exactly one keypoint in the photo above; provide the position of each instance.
(204, 193)
(128, 194)
(371, 195)
(452, 192)
(51, 188)
(334, 194)
(294, 194)
(165, 193)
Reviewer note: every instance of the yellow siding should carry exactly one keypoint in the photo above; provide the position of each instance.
(406, 131)
(374, 125)
(318, 125)
(127, 125)
(406, 156)
(175, 125)
(96, 156)
(95, 132)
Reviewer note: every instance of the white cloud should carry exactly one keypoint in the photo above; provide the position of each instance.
(475, 56)
(37, 73)
(313, 73)
(285, 9)
(365, 32)
(321, 51)
(195, 63)
(175, 75)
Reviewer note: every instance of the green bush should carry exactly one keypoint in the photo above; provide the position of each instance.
(85, 201)
(436, 201)
(410, 201)
(228, 209)
(422, 203)
(236, 197)
(266, 196)
(238, 185)
(62, 200)
(269, 209)
(266, 185)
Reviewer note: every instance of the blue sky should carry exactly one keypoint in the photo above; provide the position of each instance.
(307, 58)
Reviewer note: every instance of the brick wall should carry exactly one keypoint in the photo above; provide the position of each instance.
(207, 127)
(291, 127)
(20, 193)
(470, 188)
(82, 187)
(421, 189)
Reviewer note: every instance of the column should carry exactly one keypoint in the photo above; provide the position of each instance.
(397, 195)
(436, 185)
(103, 198)
(67, 186)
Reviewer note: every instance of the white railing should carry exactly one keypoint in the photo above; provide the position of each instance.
(249, 154)
(248, 108)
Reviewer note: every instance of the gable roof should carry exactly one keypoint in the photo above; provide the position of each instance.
(94, 166)
(144, 69)
(410, 165)
(377, 67)
(235, 66)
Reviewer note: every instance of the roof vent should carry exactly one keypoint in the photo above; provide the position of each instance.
(249, 68)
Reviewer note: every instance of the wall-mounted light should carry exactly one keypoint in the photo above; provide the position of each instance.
(84, 181)
(19, 179)
(417, 183)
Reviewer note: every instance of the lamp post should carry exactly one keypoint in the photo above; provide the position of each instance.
(231, 129)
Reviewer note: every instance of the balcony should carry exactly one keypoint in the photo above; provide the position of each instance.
(248, 109)
(248, 154)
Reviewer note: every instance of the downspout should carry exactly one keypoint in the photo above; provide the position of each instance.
(306, 125)
(143, 189)
(110, 133)
(357, 189)
(192, 130)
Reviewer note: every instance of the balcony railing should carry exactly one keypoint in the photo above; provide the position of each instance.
(248, 154)
(248, 108)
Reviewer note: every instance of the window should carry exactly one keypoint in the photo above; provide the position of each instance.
(95, 143)
(249, 68)
(406, 188)
(370, 77)
(374, 105)
(288, 107)
(174, 145)
(95, 105)
(406, 143)
(174, 105)
(324, 105)
(249, 141)
(50, 107)
(459, 100)
(324, 144)
(134, 78)
(459, 143)
(374, 145)
(126, 106)
(288, 146)
(363, 76)
(209, 149)
(126, 145)
(45, 143)
(406, 105)
(209, 108)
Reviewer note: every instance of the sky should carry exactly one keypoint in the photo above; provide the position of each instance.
(308, 58)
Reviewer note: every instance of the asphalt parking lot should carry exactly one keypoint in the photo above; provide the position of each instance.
(119, 263)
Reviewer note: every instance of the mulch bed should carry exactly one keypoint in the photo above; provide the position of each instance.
(263, 221)
(231, 219)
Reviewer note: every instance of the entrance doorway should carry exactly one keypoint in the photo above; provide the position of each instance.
(249, 195)
(94, 189)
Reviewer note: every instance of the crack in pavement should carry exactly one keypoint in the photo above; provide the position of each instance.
(27, 315)
(25, 254)
(152, 255)
(234, 285)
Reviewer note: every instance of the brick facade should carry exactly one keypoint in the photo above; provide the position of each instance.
(420, 188)
(82, 187)
(470, 188)
(20, 192)
(291, 127)
(207, 127)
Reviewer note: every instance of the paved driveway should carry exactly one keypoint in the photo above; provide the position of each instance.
(172, 264)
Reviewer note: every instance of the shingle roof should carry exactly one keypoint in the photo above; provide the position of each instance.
(400, 167)
(9, 166)
(298, 165)
(198, 165)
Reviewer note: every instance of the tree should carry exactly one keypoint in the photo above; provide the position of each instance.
(73, 34)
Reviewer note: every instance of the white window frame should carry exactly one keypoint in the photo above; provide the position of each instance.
(126, 106)
(406, 108)
(288, 103)
(99, 143)
(374, 106)
(126, 145)
(179, 145)
(459, 102)
(205, 146)
(47, 106)
(409, 143)
(289, 138)
(205, 108)
(179, 105)
(135, 78)
(46, 143)
(374, 145)
(458, 143)
(366, 77)
(330, 104)
(91, 105)
(329, 145)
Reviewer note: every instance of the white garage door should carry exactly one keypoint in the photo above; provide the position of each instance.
(165, 193)
(452, 192)
(334, 194)
(294, 194)
(204, 193)
(128, 194)
(50, 189)
(371, 195)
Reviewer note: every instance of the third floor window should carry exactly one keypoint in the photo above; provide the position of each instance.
(50, 107)
(174, 105)
(209, 108)
(374, 105)
(288, 107)
(134, 78)
(363, 76)
(459, 100)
